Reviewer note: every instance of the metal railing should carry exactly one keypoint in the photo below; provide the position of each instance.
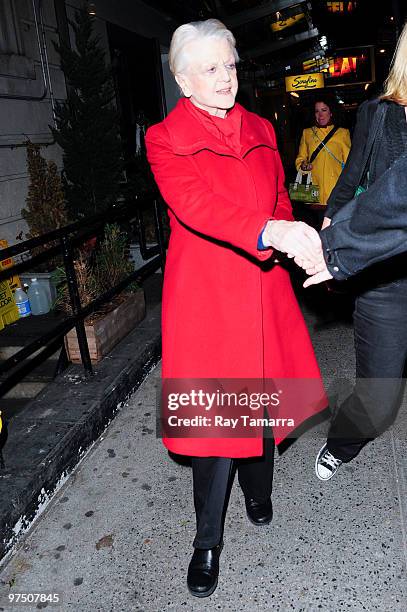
(68, 238)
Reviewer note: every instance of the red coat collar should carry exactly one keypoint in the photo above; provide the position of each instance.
(188, 135)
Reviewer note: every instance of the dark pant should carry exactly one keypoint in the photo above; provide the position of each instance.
(213, 479)
(380, 328)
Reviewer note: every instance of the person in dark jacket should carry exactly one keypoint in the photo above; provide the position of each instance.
(366, 234)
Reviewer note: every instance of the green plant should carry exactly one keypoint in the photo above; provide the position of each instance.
(112, 264)
(98, 271)
(87, 124)
(45, 203)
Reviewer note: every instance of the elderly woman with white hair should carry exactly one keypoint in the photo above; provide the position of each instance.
(229, 311)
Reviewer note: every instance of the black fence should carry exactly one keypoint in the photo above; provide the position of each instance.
(68, 239)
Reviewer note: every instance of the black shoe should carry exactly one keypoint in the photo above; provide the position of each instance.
(259, 513)
(203, 571)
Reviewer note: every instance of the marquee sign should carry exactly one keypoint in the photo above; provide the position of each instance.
(304, 82)
(339, 66)
(341, 7)
(334, 66)
(349, 66)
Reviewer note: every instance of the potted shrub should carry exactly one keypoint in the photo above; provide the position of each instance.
(97, 272)
(45, 211)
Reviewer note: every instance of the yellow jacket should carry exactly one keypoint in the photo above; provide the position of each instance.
(325, 169)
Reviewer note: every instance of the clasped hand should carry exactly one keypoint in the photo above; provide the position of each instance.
(301, 243)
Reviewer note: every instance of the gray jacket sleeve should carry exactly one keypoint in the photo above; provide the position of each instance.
(371, 227)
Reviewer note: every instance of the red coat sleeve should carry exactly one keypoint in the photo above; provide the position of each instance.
(195, 204)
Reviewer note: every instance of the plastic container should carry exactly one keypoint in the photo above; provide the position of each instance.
(38, 297)
(22, 302)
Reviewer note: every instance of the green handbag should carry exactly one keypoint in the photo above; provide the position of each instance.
(304, 193)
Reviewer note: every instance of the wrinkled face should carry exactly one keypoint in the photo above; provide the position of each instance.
(210, 79)
(323, 115)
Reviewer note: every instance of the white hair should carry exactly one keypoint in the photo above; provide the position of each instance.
(190, 32)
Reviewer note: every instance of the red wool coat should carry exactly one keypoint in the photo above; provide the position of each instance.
(228, 310)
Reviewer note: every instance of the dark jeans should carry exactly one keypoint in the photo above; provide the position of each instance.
(213, 479)
(380, 329)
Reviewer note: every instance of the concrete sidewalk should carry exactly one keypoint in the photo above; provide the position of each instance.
(118, 536)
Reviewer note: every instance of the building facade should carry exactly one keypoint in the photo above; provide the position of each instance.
(32, 82)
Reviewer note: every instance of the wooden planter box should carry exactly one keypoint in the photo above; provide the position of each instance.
(106, 332)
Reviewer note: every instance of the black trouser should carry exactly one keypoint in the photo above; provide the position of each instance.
(380, 323)
(212, 480)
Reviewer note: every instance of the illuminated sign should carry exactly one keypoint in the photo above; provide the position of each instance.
(320, 64)
(351, 65)
(281, 24)
(341, 7)
(334, 66)
(340, 66)
(304, 82)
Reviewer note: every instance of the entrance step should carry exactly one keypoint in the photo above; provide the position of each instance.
(36, 374)
(33, 382)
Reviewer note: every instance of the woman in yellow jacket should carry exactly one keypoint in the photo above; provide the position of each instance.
(328, 164)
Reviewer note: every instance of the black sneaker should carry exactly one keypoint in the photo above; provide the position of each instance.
(326, 465)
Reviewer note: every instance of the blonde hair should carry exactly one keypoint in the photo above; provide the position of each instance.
(395, 86)
(190, 32)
